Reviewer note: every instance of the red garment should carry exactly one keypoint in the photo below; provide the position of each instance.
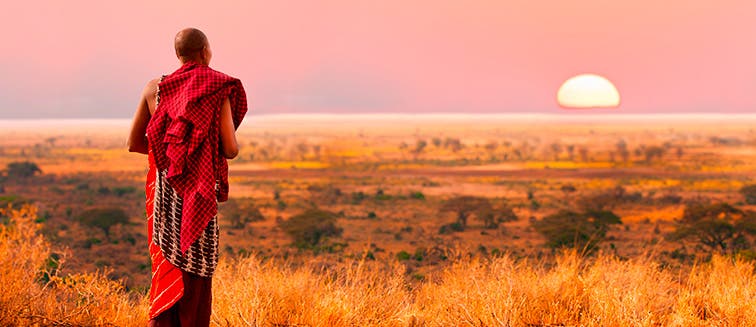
(184, 134)
(166, 284)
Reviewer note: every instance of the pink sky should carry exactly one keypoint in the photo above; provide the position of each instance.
(92, 58)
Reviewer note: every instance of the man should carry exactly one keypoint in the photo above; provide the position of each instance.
(186, 124)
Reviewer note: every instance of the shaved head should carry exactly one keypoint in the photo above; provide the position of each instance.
(190, 43)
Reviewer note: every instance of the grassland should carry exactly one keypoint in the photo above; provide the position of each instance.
(385, 178)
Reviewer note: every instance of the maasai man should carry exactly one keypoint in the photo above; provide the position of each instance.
(186, 123)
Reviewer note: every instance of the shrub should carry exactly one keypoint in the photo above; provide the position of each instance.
(24, 169)
(239, 212)
(403, 255)
(717, 226)
(583, 230)
(417, 195)
(449, 228)
(357, 197)
(749, 193)
(123, 190)
(307, 229)
(380, 195)
(103, 218)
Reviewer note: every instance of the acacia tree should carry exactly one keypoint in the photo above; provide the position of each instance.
(573, 229)
(500, 215)
(718, 226)
(466, 205)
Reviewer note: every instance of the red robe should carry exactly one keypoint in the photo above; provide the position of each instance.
(184, 138)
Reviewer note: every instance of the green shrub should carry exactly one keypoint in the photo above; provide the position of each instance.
(103, 218)
(417, 195)
(402, 255)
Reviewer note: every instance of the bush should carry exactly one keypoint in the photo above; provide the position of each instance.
(121, 191)
(749, 193)
(24, 169)
(357, 197)
(417, 195)
(403, 255)
(449, 228)
(307, 229)
(239, 212)
(717, 226)
(103, 218)
(582, 230)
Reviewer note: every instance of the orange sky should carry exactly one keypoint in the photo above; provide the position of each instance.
(92, 58)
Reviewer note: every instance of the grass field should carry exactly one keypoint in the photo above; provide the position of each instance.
(399, 260)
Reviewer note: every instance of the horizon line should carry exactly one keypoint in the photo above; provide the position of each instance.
(576, 114)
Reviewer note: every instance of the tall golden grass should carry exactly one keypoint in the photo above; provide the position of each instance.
(474, 291)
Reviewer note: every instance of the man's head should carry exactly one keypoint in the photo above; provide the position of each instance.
(192, 45)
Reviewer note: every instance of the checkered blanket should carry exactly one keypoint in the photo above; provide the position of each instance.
(184, 134)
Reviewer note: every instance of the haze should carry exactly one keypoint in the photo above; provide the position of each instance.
(88, 59)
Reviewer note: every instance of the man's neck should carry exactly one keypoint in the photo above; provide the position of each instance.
(192, 62)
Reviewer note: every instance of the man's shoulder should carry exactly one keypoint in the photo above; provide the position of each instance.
(218, 74)
(151, 87)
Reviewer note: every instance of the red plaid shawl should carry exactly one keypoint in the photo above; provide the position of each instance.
(184, 134)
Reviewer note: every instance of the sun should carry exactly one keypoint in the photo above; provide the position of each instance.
(588, 91)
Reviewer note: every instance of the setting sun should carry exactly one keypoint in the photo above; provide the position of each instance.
(588, 91)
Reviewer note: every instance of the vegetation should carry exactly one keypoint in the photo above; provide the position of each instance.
(749, 193)
(719, 227)
(464, 206)
(240, 212)
(574, 291)
(390, 201)
(104, 218)
(581, 230)
(22, 170)
(309, 228)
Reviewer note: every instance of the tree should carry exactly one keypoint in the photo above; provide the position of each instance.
(453, 143)
(239, 214)
(419, 146)
(623, 151)
(22, 169)
(556, 149)
(572, 229)
(571, 152)
(504, 214)
(104, 218)
(652, 152)
(583, 152)
(718, 226)
(749, 193)
(308, 228)
(466, 205)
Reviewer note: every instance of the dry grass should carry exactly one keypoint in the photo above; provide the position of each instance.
(572, 291)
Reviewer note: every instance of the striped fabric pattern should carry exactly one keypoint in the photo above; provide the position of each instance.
(202, 256)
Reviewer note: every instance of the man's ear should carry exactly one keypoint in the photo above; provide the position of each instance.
(206, 54)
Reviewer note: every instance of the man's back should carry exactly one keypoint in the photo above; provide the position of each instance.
(186, 123)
